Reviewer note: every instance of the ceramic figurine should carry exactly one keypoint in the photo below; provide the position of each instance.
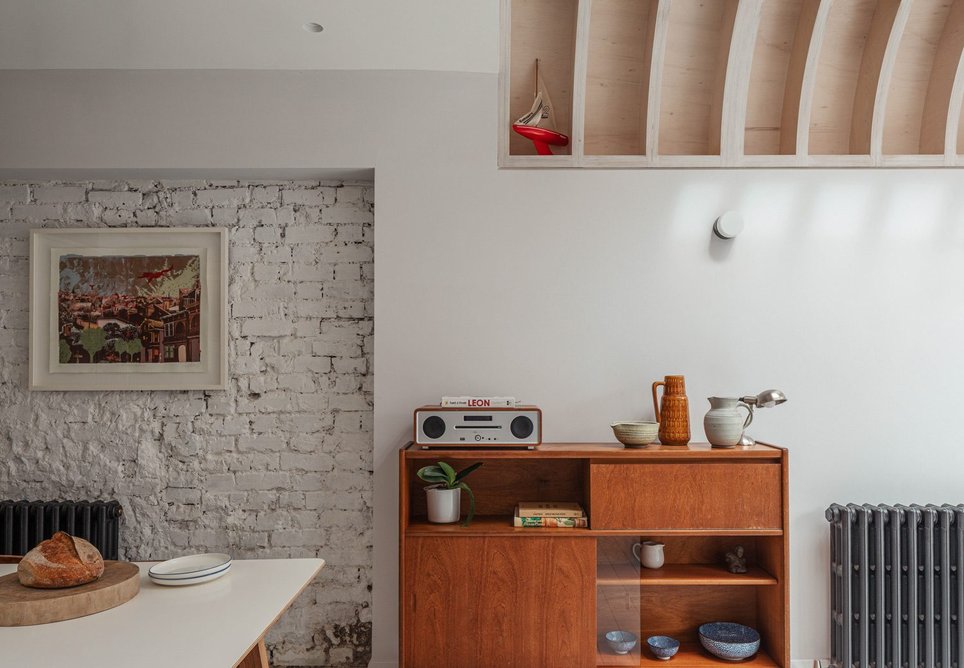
(735, 561)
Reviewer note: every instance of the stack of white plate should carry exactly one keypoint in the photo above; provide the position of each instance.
(190, 570)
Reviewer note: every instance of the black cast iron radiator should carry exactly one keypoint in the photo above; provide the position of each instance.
(23, 524)
(896, 586)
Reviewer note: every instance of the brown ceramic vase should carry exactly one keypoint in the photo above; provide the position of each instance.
(673, 413)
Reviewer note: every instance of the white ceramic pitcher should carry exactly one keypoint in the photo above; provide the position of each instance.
(649, 553)
(723, 424)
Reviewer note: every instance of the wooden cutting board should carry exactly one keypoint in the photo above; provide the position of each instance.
(25, 606)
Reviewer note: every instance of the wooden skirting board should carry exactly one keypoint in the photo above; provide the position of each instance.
(738, 83)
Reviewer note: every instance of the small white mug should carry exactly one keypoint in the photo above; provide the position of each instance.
(649, 553)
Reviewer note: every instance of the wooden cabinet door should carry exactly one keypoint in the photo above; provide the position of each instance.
(690, 495)
(504, 602)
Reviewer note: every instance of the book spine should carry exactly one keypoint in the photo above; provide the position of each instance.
(533, 512)
(555, 522)
(478, 402)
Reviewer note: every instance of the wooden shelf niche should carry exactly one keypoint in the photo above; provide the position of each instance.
(543, 30)
(621, 36)
(851, 47)
(923, 77)
(694, 66)
(777, 76)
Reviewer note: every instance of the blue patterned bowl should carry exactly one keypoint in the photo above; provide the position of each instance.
(621, 641)
(663, 647)
(729, 641)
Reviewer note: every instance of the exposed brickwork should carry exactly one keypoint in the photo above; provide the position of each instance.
(280, 465)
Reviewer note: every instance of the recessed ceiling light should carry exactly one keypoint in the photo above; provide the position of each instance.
(313, 27)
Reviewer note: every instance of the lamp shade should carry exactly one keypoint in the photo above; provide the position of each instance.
(770, 398)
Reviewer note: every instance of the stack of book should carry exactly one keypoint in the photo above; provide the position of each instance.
(557, 514)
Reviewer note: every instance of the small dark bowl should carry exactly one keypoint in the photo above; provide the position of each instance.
(733, 642)
(663, 647)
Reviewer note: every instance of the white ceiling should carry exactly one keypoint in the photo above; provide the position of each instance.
(454, 35)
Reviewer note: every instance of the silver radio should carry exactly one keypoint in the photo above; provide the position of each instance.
(437, 426)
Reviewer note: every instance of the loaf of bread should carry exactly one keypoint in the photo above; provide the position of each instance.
(60, 561)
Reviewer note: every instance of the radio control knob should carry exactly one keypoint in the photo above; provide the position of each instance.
(521, 427)
(434, 426)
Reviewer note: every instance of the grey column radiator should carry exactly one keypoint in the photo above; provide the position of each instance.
(23, 524)
(896, 586)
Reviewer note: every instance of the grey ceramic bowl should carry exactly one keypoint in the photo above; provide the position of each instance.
(635, 434)
(663, 647)
(733, 642)
(621, 641)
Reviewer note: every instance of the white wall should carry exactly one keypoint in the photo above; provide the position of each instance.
(445, 35)
(575, 290)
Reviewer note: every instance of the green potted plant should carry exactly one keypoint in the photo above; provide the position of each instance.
(445, 492)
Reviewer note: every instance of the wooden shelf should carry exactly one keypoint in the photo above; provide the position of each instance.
(690, 654)
(626, 574)
(487, 526)
(733, 533)
(502, 526)
(600, 451)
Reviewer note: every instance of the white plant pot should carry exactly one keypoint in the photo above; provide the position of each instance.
(443, 504)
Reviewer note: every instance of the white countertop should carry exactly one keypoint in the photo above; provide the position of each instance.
(209, 625)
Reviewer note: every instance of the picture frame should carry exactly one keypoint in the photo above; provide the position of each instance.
(128, 309)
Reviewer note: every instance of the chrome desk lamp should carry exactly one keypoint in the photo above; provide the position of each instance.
(765, 399)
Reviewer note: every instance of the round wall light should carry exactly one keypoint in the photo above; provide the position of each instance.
(312, 27)
(729, 225)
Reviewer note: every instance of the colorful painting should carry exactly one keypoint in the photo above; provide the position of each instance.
(129, 309)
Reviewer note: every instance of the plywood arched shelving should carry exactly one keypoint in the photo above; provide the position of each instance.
(730, 83)
(776, 74)
(694, 74)
(619, 61)
(914, 76)
(851, 55)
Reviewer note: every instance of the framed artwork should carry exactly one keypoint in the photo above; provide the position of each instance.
(128, 309)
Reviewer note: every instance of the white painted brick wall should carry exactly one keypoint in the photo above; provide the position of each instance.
(280, 465)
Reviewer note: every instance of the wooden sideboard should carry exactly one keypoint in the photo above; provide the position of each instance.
(494, 595)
